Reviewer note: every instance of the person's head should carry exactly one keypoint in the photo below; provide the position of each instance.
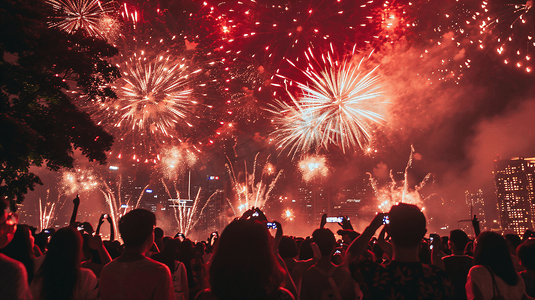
(21, 248)
(287, 247)
(325, 240)
(491, 251)
(458, 241)
(158, 233)
(526, 254)
(305, 250)
(407, 225)
(137, 229)
(513, 241)
(59, 270)
(8, 224)
(244, 265)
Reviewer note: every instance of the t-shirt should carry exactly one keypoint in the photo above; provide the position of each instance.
(13, 279)
(142, 279)
(336, 284)
(480, 277)
(401, 280)
(457, 266)
(86, 286)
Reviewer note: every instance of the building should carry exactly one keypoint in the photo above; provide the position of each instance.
(476, 206)
(514, 190)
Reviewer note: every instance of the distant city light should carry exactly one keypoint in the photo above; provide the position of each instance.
(213, 177)
(114, 168)
(124, 206)
(148, 191)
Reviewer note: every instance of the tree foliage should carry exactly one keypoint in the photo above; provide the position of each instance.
(39, 121)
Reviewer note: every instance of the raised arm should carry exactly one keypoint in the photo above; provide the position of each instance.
(100, 221)
(112, 229)
(360, 244)
(76, 203)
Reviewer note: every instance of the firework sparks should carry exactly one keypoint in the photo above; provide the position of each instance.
(250, 189)
(86, 15)
(399, 192)
(175, 159)
(512, 23)
(339, 106)
(288, 215)
(153, 104)
(313, 167)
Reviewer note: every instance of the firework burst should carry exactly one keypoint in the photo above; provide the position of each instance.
(339, 104)
(512, 24)
(92, 16)
(313, 167)
(154, 102)
(249, 188)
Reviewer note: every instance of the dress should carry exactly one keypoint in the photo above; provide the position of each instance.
(86, 287)
(480, 279)
(400, 280)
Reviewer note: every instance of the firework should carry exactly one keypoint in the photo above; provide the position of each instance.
(313, 167)
(154, 102)
(399, 192)
(78, 180)
(274, 30)
(174, 160)
(92, 16)
(288, 214)
(249, 188)
(340, 104)
(512, 25)
(187, 212)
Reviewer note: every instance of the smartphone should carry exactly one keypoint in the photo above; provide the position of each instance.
(386, 220)
(255, 214)
(338, 251)
(46, 231)
(80, 228)
(106, 216)
(431, 239)
(271, 225)
(335, 219)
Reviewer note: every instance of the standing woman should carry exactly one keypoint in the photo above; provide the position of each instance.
(493, 275)
(21, 249)
(244, 265)
(60, 276)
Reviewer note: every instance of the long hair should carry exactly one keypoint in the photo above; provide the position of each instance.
(60, 267)
(491, 251)
(244, 265)
(20, 249)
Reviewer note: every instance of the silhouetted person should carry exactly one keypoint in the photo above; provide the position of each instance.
(169, 257)
(244, 265)
(60, 276)
(132, 275)
(325, 280)
(526, 255)
(13, 277)
(493, 274)
(21, 249)
(458, 265)
(405, 277)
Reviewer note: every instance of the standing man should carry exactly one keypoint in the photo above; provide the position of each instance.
(132, 275)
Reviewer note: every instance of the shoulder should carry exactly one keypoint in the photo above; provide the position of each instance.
(206, 295)
(86, 274)
(283, 294)
(151, 263)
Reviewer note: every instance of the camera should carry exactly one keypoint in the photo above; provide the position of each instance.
(271, 225)
(386, 220)
(335, 219)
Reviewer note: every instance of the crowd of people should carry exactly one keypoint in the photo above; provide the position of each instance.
(393, 258)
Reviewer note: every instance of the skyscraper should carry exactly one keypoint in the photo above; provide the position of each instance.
(514, 190)
(476, 205)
